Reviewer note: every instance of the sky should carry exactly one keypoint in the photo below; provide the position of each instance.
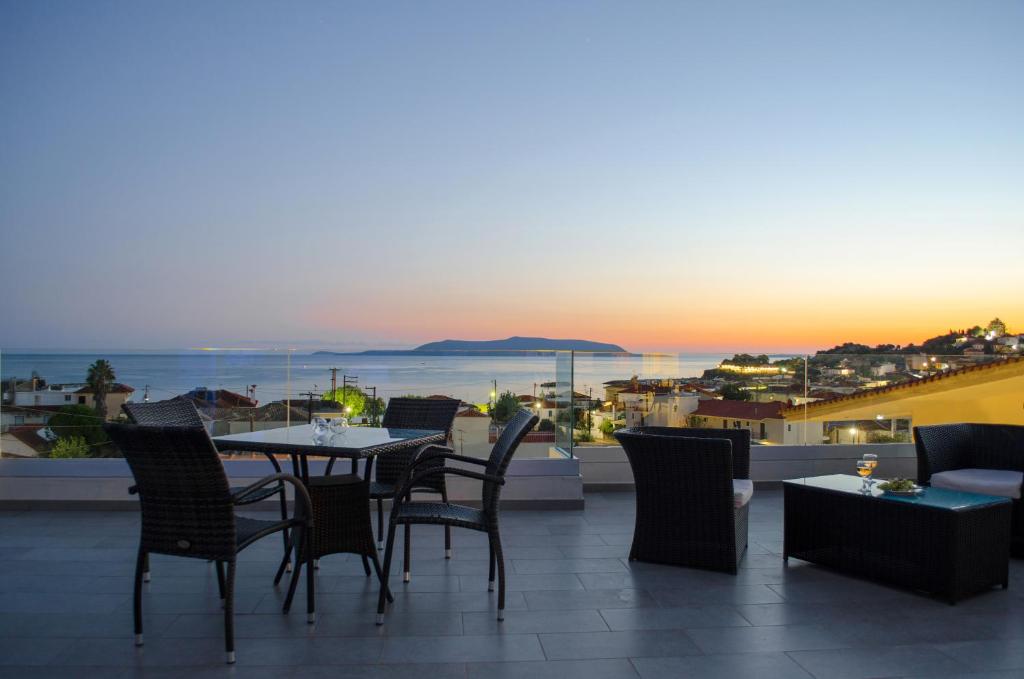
(668, 176)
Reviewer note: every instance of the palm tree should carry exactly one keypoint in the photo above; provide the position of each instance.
(100, 379)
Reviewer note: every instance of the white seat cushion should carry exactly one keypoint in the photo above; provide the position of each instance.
(742, 491)
(985, 481)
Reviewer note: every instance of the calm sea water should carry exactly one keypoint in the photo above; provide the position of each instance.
(468, 378)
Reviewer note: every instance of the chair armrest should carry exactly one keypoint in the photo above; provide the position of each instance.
(941, 448)
(301, 494)
(426, 457)
(133, 489)
(402, 491)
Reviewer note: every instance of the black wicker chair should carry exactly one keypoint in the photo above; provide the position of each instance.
(412, 413)
(686, 512)
(947, 447)
(188, 510)
(485, 519)
(180, 412)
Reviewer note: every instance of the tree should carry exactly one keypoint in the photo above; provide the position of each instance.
(608, 428)
(545, 425)
(505, 407)
(100, 379)
(997, 327)
(733, 392)
(352, 400)
(70, 446)
(79, 421)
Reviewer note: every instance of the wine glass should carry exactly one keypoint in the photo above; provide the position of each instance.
(864, 469)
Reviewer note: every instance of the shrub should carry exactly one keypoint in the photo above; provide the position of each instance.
(68, 447)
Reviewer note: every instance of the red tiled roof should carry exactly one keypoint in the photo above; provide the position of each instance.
(469, 412)
(913, 384)
(740, 410)
(30, 437)
(440, 397)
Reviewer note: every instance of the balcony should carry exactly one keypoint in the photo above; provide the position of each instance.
(576, 608)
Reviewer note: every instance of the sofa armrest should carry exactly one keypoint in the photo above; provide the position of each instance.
(941, 448)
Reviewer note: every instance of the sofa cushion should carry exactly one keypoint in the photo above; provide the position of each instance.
(742, 491)
(986, 481)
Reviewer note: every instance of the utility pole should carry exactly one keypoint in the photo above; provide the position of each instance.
(345, 381)
(145, 395)
(334, 381)
(309, 404)
(374, 422)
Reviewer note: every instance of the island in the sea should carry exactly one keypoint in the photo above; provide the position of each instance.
(501, 347)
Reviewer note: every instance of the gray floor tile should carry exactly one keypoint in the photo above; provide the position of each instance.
(880, 661)
(765, 639)
(618, 668)
(589, 598)
(528, 566)
(534, 622)
(479, 648)
(673, 618)
(516, 582)
(759, 665)
(987, 655)
(626, 644)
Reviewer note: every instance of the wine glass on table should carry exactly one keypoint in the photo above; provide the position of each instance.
(864, 470)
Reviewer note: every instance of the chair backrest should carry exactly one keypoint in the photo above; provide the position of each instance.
(501, 454)
(437, 414)
(421, 413)
(740, 439)
(183, 490)
(693, 475)
(175, 412)
(942, 447)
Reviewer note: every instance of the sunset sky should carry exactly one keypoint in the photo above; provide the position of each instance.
(676, 176)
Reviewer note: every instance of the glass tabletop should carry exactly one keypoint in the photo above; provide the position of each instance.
(348, 441)
(931, 497)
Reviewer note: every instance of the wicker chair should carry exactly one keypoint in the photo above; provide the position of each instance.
(485, 519)
(412, 413)
(189, 511)
(181, 412)
(686, 499)
(948, 447)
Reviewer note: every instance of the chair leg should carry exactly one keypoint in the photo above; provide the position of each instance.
(300, 554)
(447, 528)
(285, 537)
(219, 565)
(407, 556)
(388, 551)
(229, 613)
(380, 576)
(490, 574)
(366, 565)
(140, 565)
(380, 523)
(495, 541)
(286, 563)
(145, 569)
(310, 579)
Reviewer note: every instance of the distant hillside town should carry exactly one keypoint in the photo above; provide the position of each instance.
(850, 393)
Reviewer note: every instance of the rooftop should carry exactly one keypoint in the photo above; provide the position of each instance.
(576, 608)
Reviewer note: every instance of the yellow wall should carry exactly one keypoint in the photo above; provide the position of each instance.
(993, 395)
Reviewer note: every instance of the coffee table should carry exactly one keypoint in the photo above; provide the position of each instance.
(944, 542)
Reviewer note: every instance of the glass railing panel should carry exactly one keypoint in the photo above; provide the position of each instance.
(785, 399)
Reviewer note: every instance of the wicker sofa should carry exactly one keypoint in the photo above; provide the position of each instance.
(986, 458)
(692, 495)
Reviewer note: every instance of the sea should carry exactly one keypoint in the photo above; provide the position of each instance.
(281, 375)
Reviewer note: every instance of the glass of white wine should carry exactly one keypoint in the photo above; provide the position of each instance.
(864, 469)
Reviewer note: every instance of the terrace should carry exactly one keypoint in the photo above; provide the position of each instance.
(576, 608)
(576, 605)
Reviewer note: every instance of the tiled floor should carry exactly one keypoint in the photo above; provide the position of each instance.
(576, 608)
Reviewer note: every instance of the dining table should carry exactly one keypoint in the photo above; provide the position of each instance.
(340, 502)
